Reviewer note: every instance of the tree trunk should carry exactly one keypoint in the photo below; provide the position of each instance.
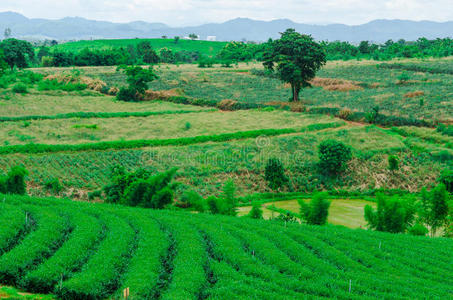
(295, 88)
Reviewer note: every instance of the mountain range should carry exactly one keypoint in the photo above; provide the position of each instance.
(75, 28)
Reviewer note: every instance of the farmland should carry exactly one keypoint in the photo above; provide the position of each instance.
(85, 155)
(204, 47)
(207, 256)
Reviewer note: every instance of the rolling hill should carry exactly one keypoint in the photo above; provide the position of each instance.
(237, 29)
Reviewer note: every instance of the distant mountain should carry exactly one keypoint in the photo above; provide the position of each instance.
(237, 29)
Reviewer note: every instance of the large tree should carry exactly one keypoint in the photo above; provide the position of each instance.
(297, 58)
(3, 64)
(17, 53)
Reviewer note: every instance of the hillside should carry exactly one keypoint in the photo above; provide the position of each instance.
(206, 48)
(237, 29)
(92, 251)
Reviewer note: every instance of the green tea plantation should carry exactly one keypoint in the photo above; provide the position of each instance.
(80, 250)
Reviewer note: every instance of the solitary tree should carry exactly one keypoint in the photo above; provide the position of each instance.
(17, 52)
(138, 79)
(177, 38)
(297, 56)
(435, 207)
(7, 33)
(193, 36)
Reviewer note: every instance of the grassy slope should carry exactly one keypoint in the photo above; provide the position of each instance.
(204, 47)
(247, 258)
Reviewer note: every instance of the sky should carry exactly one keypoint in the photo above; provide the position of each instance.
(196, 12)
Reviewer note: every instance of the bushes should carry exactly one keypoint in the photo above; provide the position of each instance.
(447, 179)
(20, 88)
(226, 203)
(274, 174)
(194, 201)
(256, 212)
(54, 84)
(317, 211)
(14, 181)
(140, 188)
(138, 79)
(333, 156)
(392, 214)
(393, 163)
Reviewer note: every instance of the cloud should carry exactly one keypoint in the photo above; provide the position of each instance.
(194, 12)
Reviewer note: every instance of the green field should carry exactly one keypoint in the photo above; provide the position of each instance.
(344, 212)
(205, 256)
(204, 47)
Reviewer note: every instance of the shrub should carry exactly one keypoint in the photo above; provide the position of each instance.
(140, 188)
(393, 163)
(403, 78)
(447, 179)
(345, 114)
(14, 181)
(127, 94)
(418, 230)
(256, 212)
(193, 200)
(53, 185)
(317, 211)
(333, 156)
(20, 88)
(275, 174)
(392, 214)
(188, 126)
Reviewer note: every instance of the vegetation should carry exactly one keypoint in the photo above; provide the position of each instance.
(297, 57)
(333, 156)
(317, 211)
(139, 244)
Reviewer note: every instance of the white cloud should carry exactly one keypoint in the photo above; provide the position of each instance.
(194, 12)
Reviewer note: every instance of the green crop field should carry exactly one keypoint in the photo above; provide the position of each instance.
(57, 247)
(69, 144)
(204, 47)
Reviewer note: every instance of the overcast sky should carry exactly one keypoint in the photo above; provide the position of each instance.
(196, 12)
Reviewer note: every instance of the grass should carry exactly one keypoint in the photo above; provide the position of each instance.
(207, 48)
(248, 258)
(205, 167)
(74, 131)
(46, 104)
(7, 292)
(345, 212)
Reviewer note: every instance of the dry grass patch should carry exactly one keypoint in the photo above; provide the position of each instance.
(335, 84)
(414, 94)
(165, 94)
(94, 84)
(227, 104)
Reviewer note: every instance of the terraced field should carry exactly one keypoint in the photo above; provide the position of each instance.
(92, 251)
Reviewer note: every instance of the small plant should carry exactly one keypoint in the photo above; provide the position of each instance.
(256, 212)
(403, 78)
(86, 126)
(422, 102)
(53, 185)
(188, 126)
(418, 230)
(333, 156)
(393, 163)
(20, 88)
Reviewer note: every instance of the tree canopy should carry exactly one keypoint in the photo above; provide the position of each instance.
(17, 53)
(296, 58)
